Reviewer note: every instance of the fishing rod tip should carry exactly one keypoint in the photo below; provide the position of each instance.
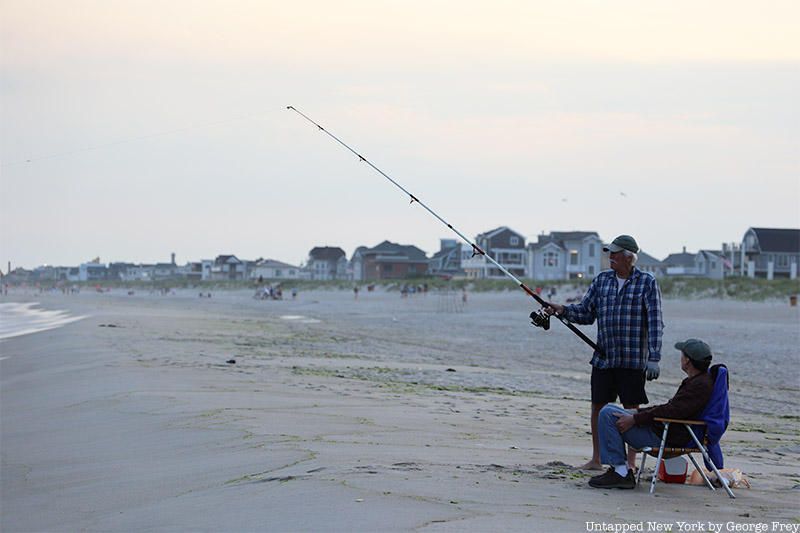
(289, 107)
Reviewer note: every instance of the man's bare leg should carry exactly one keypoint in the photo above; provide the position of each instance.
(631, 452)
(595, 463)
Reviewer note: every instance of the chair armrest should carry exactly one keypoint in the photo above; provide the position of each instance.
(679, 421)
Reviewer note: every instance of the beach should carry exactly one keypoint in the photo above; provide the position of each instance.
(379, 413)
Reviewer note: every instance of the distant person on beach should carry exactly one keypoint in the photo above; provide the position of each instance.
(626, 303)
(355, 292)
(618, 426)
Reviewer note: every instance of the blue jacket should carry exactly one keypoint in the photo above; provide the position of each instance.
(716, 415)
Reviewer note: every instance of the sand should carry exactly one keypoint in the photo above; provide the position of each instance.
(371, 415)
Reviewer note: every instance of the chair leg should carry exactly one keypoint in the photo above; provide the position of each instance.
(709, 461)
(660, 457)
(702, 472)
(641, 466)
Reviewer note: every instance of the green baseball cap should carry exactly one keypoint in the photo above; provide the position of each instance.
(623, 242)
(695, 349)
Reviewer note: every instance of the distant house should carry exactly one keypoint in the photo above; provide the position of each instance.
(770, 253)
(46, 273)
(18, 275)
(191, 271)
(648, 263)
(118, 270)
(327, 262)
(681, 264)
(139, 272)
(164, 271)
(447, 261)
(355, 269)
(565, 255)
(93, 271)
(505, 246)
(389, 260)
(228, 267)
(710, 264)
(272, 269)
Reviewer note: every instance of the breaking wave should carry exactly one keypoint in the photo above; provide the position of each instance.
(25, 318)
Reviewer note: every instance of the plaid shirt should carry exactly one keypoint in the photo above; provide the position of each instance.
(629, 325)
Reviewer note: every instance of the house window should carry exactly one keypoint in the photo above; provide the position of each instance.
(513, 241)
(591, 270)
(412, 269)
(277, 273)
(713, 265)
(783, 260)
(591, 250)
(387, 268)
(573, 257)
(550, 259)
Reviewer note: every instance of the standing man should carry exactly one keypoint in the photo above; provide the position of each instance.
(626, 303)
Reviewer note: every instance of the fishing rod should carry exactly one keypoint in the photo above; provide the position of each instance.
(538, 318)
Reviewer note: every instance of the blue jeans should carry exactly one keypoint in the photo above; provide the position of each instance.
(612, 442)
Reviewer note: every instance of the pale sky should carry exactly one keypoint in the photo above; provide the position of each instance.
(134, 129)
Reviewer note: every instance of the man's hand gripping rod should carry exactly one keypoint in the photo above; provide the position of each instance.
(476, 250)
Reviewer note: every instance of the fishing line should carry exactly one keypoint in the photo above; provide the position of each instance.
(476, 250)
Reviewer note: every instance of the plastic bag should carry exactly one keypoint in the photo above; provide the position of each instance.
(733, 477)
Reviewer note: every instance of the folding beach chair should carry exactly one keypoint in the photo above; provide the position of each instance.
(705, 434)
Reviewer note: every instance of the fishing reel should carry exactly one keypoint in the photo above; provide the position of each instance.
(540, 319)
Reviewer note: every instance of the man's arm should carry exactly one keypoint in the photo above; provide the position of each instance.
(690, 399)
(655, 323)
(584, 312)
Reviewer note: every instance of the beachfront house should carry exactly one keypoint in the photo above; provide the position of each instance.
(355, 269)
(191, 271)
(711, 264)
(92, 271)
(473, 265)
(447, 261)
(165, 271)
(140, 272)
(18, 276)
(565, 255)
(681, 264)
(273, 269)
(770, 253)
(48, 273)
(228, 268)
(326, 263)
(389, 260)
(648, 263)
(505, 246)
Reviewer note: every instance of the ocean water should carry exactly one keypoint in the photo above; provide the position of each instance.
(26, 318)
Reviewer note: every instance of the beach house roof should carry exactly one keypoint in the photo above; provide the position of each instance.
(777, 240)
(398, 251)
(683, 259)
(560, 238)
(646, 259)
(326, 253)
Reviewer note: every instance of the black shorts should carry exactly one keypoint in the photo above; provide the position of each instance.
(627, 383)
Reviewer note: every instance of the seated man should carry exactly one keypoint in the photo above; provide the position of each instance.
(617, 426)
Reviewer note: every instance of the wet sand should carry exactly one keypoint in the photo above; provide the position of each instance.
(378, 414)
